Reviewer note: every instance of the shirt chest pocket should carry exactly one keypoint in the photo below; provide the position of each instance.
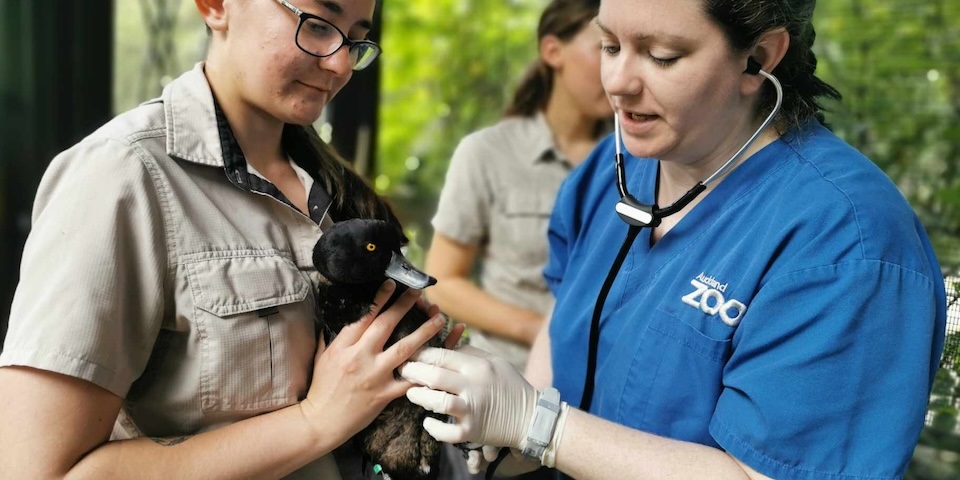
(674, 381)
(250, 314)
(523, 223)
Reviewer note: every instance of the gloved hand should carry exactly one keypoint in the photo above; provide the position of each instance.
(490, 400)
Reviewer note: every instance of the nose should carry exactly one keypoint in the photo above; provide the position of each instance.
(339, 63)
(620, 75)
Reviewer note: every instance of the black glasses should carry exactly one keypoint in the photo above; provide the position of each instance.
(321, 38)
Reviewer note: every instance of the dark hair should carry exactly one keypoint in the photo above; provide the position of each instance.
(744, 21)
(351, 195)
(563, 19)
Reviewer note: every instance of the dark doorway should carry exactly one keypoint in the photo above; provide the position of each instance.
(55, 88)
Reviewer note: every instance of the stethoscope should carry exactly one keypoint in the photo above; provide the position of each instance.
(639, 215)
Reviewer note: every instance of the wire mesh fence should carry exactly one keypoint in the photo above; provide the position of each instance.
(937, 456)
(951, 349)
(945, 397)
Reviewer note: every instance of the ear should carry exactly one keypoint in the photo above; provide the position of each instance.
(213, 13)
(769, 51)
(551, 51)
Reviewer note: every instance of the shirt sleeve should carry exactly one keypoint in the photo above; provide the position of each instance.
(464, 209)
(89, 303)
(559, 236)
(830, 373)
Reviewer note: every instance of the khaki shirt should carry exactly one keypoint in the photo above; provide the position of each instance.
(499, 192)
(152, 274)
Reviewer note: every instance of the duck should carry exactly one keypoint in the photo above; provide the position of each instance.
(355, 257)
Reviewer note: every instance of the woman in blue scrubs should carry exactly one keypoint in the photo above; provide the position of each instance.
(785, 323)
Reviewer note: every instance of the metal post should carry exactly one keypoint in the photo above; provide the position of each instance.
(354, 111)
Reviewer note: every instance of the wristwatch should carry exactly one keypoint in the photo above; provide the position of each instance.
(543, 423)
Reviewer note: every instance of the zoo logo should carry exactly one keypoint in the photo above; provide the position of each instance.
(708, 297)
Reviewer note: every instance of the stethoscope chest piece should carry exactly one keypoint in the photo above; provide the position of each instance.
(635, 213)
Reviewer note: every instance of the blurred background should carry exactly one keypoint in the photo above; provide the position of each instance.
(448, 68)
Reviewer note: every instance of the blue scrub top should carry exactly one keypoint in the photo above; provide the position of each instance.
(794, 318)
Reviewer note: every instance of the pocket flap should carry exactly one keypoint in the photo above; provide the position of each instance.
(228, 283)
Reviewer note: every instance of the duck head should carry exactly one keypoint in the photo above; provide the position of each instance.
(360, 251)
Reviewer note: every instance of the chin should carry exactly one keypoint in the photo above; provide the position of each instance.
(301, 117)
(644, 148)
(303, 122)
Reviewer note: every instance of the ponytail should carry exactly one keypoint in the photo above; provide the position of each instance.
(563, 19)
(533, 92)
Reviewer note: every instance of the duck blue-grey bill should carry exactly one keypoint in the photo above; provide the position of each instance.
(403, 272)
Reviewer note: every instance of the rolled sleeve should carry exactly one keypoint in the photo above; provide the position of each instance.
(90, 299)
(464, 209)
(830, 373)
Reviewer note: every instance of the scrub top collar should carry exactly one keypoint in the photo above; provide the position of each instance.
(724, 196)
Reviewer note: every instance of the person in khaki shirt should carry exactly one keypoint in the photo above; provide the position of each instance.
(501, 184)
(164, 324)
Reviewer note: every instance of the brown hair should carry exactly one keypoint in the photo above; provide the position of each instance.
(563, 19)
(744, 21)
(351, 195)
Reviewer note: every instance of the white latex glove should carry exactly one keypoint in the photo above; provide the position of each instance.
(479, 459)
(513, 465)
(490, 400)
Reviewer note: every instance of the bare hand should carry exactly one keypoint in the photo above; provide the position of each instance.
(456, 331)
(353, 376)
(454, 336)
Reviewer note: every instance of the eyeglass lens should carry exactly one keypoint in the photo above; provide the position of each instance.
(322, 39)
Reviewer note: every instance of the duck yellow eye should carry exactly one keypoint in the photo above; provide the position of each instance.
(371, 247)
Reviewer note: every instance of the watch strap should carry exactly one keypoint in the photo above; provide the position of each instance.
(544, 421)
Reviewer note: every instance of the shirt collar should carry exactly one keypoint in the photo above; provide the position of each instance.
(198, 132)
(543, 147)
(191, 120)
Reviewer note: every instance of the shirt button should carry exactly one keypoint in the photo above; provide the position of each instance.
(316, 207)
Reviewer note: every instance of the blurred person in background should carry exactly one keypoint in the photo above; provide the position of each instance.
(164, 323)
(501, 185)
